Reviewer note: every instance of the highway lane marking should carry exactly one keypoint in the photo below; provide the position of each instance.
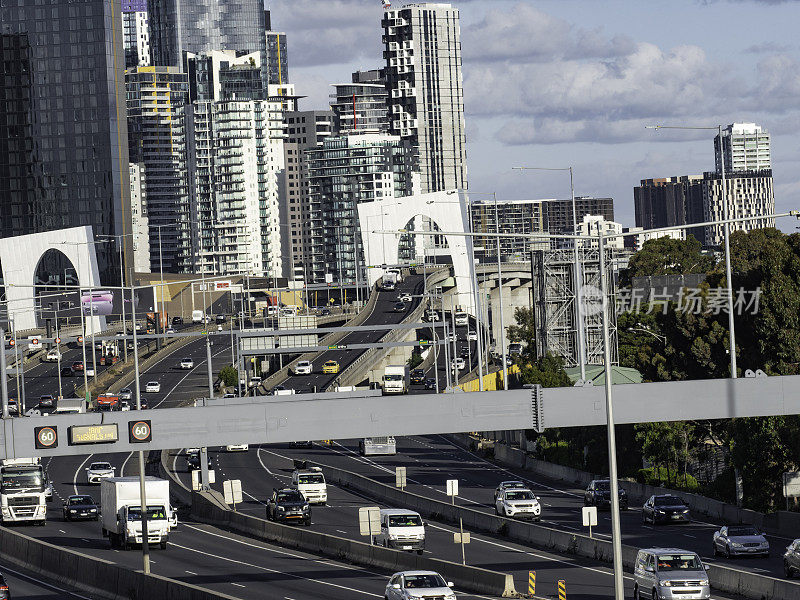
(174, 388)
(125, 462)
(78, 470)
(175, 470)
(237, 584)
(61, 531)
(337, 531)
(258, 455)
(22, 575)
(190, 572)
(268, 570)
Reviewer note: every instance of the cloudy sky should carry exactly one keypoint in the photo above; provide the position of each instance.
(555, 83)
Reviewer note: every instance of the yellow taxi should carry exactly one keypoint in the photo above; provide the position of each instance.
(330, 366)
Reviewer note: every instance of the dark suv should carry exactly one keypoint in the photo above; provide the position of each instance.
(599, 494)
(417, 376)
(288, 505)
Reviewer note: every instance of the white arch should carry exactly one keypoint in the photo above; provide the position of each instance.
(20, 255)
(448, 209)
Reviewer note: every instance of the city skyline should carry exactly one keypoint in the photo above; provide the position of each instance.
(577, 87)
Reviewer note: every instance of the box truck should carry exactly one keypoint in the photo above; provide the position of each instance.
(396, 379)
(120, 503)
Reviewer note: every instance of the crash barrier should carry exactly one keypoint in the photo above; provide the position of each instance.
(329, 340)
(100, 578)
(749, 585)
(209, 507)
(783, 523)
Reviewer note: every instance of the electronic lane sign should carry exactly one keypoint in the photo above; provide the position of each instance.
(46, 437)
(93, 434)
(140, 432)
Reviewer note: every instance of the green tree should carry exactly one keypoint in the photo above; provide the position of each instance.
(229, 376)
(547, 371)
(524, 330)
(667, 256)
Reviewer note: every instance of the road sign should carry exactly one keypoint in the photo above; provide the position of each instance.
(452, 487)
(531, 583)
(400, 477)
(93, 434)
(140, 432)
(57, 340)
(196, 479)
(369, 520)
(46, 437)
(562, 589)
(12, 342)
(232, 490)
(589, 514)
(461, 538)
(34, 342)
(80, 339)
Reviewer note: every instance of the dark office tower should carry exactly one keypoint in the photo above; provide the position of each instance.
(558, 213)
(277, 57)
(202, 26)
(63, 135)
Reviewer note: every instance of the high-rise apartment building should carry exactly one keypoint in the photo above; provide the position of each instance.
(346, 171)
(204, 26)
(139, 222)
(157, 98)
(749, 194)
(558, 213)
(276, 69)
(135, 33)
(745, 147)
(305, 130)
(422, 48)
(361, 104)
(63, 134)
(236, 158)
(519, 217)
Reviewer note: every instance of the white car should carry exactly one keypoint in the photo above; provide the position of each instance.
(431, 315)
(472, 336)
(404, 297)
(237, 447)
(187, 363)
(124, 405)
(304, 367)
(89, 371)
(508, 485)
(406, 585)
(52, 356)
(519, 504)
(458, 363)
(97, 471)
(152, 387)
(173, 517)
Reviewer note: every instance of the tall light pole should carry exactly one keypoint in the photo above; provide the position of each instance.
(577, 269)
(726, 237)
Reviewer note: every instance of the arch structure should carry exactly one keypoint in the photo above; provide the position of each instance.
(449, 210)
(20, 256)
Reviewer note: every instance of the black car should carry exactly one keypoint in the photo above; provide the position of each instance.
(303, 444)
(599, 494)
(288, 506)
(220, 318)
(430, 383)
(665, 509)
(177, 321)
(400, 307)
(5, 593)
(194, 461)
(417, 376)
(81, 508)
(67, 372)
(46, 405)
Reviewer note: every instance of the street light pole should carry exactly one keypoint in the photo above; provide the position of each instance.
(500, 290)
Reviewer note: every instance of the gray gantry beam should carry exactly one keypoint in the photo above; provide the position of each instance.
(340, 415)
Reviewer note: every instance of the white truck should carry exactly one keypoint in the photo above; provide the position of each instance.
(389, 281)
(397, 273)
(23, 491)
(373, 446)
(396, 379)
(197, 316)
(311, 483)
(122, 511)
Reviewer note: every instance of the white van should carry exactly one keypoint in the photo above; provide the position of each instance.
(311, 483)
(462, 319)
(401, 529)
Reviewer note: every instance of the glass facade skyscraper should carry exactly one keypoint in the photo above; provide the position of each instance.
(63, 134)
(203, 26)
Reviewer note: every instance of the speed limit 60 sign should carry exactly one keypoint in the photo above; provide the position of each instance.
(46, 437)
(139, 432)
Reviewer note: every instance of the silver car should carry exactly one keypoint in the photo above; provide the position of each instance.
(740, 540)
(669, 574)
(408, 585)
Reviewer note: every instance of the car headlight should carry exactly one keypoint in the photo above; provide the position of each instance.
(280, 508)
(765, 544)
(686, 512)
(305, 507)
(737, 545)
(94, 510)
(659, 511)
(72, 510)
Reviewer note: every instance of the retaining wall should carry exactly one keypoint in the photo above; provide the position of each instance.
(209, 507)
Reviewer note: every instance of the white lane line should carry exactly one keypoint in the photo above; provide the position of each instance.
(61, 531)
(237, 584)
(268, 570)
(125, 462)
(258, 455)
(341, 531)
(190, 572)
(78, 470)
(50, 586)
(175, 387)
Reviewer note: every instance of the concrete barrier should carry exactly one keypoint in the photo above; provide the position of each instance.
(209, 507)
(100, 578)
(747, 584)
